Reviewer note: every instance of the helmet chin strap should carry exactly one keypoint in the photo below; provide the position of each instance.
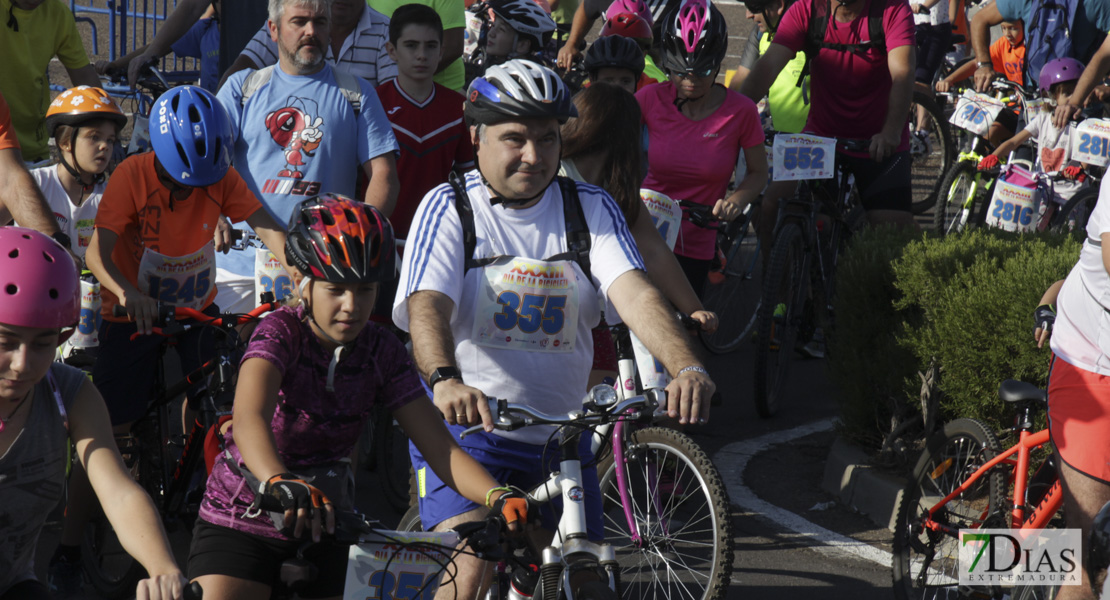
(75, 169)
(340, 347)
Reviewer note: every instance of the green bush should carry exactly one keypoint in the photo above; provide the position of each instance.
(962, 302)
(976, 292)
(866, 363)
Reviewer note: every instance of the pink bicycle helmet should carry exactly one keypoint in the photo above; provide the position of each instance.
(636, 7)
(695, 38)
(629, 25)
(38, 281)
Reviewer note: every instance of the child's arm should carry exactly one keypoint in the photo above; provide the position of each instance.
(1040, 334)
(424, 425)
(965, 71)
(142, 309)
(271, 234)
(1005, 148)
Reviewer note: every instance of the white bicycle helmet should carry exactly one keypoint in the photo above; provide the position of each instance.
(526, 18)
(517, 89)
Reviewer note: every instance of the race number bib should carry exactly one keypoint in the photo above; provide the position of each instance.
(270, 275)
(398, 566)
(179, 280)
(665, 213)
(1091, 142)
(651, 371)
(1013, 206)
(527, 304)
(89, 322)
(975, 112)
(803, 156)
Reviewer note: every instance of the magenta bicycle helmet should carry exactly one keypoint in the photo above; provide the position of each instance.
(637, 7)
(616, 52)
(1059, 70)
(191, 135)
(695, 38)
(38, 281)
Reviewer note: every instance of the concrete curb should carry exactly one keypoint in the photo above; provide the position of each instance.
(861, 486)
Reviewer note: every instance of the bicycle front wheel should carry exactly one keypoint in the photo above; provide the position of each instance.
(932, 151)
(1076, 213)
(780, 314)
(961, 198)
(733, 292)
(926, 562)
(680, 542)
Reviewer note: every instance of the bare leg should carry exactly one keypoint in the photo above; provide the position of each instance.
(218, 587)
(1083, 498)
(471, 575)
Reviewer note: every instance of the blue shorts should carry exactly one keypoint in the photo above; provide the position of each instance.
(511, 462)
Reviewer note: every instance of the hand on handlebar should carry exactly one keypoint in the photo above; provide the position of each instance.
(512, 506)
(568, 55)
(988, 162)
(883, 145)
(726, 210)
(303, 502)
(707, 319)
(221, 237)
(688, 397)
(943, 86)
(462, 404)
(983, 78)
(136, 65)
(166, 586)
(141, 309)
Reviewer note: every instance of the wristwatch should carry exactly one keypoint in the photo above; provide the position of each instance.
(982, 64)
(443, 373)
(61, 238)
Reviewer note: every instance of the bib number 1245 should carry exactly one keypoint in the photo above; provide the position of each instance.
(173, 291)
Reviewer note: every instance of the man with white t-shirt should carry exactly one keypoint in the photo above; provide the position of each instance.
(566, 248)
(303, 128)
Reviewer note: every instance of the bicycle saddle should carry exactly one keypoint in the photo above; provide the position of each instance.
(1012, 391)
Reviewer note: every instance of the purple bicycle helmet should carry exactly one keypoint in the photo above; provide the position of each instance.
(191, 135)
(38, 282)
(1059, 70)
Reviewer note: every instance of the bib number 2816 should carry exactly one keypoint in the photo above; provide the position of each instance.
(530, 312)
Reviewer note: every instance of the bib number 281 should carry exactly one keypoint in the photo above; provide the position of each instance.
(530, 312)
(174, 291)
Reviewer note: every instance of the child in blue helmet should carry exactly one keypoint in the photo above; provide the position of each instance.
(153, 244)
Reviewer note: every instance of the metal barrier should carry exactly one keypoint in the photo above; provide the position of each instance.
(131, 24)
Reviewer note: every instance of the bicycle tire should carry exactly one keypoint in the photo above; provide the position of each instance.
(784, 291)
(956, 209)
(734, 292)
(704, 566)
(965, 444)
(932, 157)
(410, 521)
(1073, 217)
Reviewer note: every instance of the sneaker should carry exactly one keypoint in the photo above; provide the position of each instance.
(815, 347)
(920, 143)
(66, 578)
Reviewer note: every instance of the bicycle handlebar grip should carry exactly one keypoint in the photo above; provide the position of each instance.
(193, 591)
(166, 312)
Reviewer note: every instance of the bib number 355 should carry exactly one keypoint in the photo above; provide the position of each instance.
(530, 312)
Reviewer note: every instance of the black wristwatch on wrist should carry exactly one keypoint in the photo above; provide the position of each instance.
(62, 239)
(443, 373)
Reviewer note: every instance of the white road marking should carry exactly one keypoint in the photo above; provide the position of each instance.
(733, 459)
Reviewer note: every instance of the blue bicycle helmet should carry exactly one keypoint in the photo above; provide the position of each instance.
(191, 135)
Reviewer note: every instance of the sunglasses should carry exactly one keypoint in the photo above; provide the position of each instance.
(701, 73)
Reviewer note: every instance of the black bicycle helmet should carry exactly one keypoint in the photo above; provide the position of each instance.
(695, 38)
(517, 89)
(339, 240)
(614, 51)
(526, 18)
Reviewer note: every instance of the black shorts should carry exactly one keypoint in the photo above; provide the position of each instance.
(882, 185)
(218, 550)
(30, 589)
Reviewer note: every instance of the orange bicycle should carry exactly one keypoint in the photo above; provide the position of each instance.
(964, 480)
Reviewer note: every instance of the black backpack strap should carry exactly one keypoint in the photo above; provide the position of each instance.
(818, 27)
(578, 232)
(466, 215)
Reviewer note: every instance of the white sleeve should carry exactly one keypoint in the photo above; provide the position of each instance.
(433, 256)
(613, 252)
(1101, 213)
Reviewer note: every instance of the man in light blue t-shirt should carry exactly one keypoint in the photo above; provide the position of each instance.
(299, 135)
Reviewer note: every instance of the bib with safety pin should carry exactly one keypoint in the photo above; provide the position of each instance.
(1091, 142)
(975, 112)
(665, 213)
(527, 304)
(803, 156)
(270, 275)
(179, 280)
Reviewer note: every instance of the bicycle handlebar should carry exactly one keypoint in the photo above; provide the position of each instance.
(598, 411)
(149, 77)
(168, 313)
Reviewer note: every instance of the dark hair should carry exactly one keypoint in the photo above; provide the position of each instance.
(609, 119)
(413, 14)
(64, 134)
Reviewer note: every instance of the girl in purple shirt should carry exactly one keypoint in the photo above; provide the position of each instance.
(306, 386)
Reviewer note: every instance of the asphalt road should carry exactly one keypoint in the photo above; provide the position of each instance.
(770, 560)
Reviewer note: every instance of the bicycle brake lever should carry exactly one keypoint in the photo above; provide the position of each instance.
(470, 430)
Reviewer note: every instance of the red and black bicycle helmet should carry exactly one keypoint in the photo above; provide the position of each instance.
(339, 240)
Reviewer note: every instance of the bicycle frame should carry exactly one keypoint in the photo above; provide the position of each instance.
(1039, 516)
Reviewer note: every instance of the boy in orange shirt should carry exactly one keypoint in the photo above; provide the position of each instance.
(1008, 60)
(153, 244)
